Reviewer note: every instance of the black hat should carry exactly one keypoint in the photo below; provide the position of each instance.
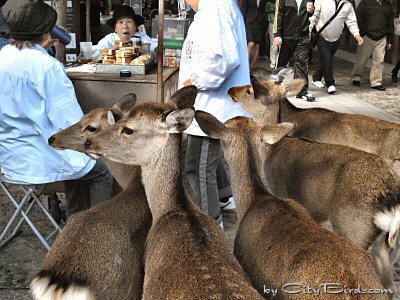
(28, 19)
(125, 11)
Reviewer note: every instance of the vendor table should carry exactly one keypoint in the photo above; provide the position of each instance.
(103, 90)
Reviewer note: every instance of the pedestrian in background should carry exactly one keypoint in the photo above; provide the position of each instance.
(291, 30)
(254, 16)
(214, 59)
(328, 39)
(273, 49)
(375, 19)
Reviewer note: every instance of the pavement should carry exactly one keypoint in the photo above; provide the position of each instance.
(22, 257)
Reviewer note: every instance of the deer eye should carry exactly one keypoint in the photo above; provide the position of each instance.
(127, 131)
(248, 92)
(91, 129)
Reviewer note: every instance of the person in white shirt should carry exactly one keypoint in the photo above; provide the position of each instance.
(126, 24)
(37, 101)
(328, 40)
(214, 59)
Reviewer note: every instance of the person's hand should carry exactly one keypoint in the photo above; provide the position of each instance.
(388, 46)
(187, 82)
(277, 41)
(359, 40)
(48, 42)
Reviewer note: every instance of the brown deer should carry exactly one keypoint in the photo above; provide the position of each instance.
(99, 253)
(352, 192)
(277, 241)
(365, 133)
(269, 105)
(187, 256)
(94, 122)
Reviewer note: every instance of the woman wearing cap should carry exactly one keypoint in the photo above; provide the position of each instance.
(37, 101)
(125, 22)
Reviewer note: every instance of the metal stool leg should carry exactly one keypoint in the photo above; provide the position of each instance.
(29, 192)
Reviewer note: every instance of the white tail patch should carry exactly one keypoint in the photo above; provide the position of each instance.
(41, 290)
(389, 221)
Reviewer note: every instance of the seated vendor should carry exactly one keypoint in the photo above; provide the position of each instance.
(125, 22)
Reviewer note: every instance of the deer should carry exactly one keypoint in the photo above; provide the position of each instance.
(99, 253)
(93, 122)
(187, 256)
(351, 192)
(321, 125)
(269, 104)
(275, 233)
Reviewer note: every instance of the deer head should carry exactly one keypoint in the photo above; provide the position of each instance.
(92, 123)
(242, 137)
(144, 131)
(262, 98)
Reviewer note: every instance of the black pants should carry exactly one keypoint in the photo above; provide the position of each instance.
(299, 48)
(326, 51)
(89, 190)
(396, 68)
(206, 174)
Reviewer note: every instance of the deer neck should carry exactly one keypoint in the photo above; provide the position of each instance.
(286, 110)
(162, 179)
(246, 181)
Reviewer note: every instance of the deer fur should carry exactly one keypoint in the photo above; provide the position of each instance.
(344, 189)
(277, 241)
(187, 256)
(93, 122)
(99, 253)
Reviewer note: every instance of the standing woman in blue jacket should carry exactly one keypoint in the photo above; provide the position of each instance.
(255, 21)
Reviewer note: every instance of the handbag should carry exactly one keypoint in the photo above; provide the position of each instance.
(315, 36)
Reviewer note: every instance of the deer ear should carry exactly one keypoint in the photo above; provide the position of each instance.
(210, 125)
(111, 116)
(179, 120)
(184, 97)
(125, 104)
(273, 133)
(281, 73)
(293, 87)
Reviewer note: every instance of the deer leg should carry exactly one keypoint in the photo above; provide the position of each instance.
(380, 251)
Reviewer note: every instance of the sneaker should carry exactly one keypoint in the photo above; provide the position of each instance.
(227, 204)
(318, 84)
(331, 89)
(307, 97)
(356, 82)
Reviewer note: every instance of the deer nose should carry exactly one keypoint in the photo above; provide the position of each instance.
(51, 139)
(87, 144)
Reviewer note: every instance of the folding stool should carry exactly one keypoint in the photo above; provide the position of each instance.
(31, 192)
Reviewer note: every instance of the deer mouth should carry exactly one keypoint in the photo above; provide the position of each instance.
(93, 155)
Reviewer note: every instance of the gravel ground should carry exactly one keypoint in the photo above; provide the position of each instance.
(21, 258)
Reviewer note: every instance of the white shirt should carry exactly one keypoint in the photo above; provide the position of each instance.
(109, 39)
(214, 57)
(324, 10)
(37, 100)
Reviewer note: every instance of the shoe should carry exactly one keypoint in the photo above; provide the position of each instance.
(331, 89)
(378, 87)
(307, 97)
(318, 84)
(394, 75)
(356, 82)
(226, 204)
